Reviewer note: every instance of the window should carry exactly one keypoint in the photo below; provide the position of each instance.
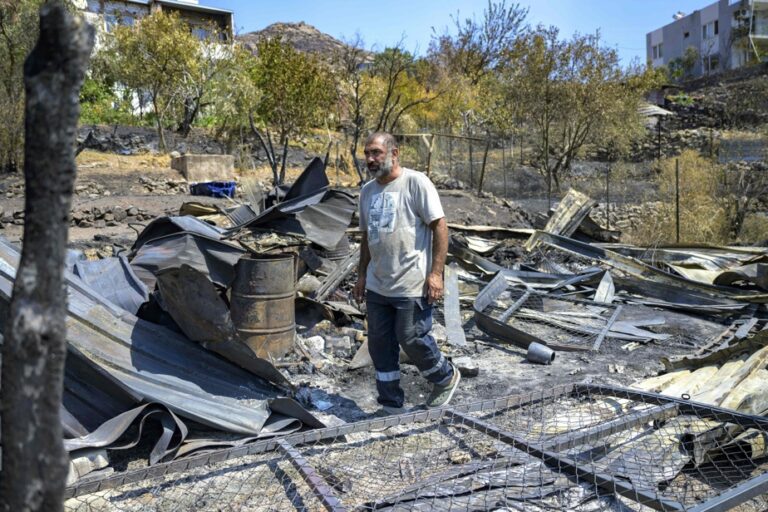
(711, 63)
(110, 23)
(201, 33)
(717, 28)
(657, 51)
(709, 30)
(686, 35)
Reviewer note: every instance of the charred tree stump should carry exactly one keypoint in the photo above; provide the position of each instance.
(34, 463)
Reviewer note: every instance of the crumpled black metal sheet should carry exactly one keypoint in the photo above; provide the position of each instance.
(309, 208)
(163, 226)
(114, 279)
(215, 258)
(195, 304)
(131, 360)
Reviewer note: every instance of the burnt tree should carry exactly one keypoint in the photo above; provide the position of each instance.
(34, 463)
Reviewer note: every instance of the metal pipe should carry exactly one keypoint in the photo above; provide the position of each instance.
(541, 354)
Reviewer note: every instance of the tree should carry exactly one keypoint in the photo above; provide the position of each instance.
(233, 94)
(155, 57)
(480, 47)
(350, 62)
(200, 81)
(397, 90)
(18, 33)
(34, 463)
(682, 68)
(571, 92)
(296, 91)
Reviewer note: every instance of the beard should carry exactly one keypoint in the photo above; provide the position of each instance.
(385, 169)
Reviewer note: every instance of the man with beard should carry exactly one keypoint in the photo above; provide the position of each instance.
(402, 255)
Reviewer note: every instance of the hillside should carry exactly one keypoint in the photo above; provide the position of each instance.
(301, 36)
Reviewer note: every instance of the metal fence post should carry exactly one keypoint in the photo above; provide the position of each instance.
(471, 169)
(504, 164)
(677, 200)
(658, 142)
(482, 168)
(608, 198)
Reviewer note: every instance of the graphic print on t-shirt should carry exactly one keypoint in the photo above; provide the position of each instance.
(382, 215)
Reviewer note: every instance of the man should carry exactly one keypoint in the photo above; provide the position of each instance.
(402, 255)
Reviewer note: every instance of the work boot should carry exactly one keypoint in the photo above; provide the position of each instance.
(441, 395)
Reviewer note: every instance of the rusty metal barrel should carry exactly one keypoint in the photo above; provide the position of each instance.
(262, 303)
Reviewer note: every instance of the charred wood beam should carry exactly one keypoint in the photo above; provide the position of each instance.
(34, 463)
(317, 483)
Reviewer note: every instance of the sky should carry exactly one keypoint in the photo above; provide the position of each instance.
(622, 23)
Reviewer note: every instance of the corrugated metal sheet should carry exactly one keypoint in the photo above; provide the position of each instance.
(148, 362)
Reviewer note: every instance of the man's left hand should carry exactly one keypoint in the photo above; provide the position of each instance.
(434, 287)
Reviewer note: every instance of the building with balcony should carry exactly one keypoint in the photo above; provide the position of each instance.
(105, 15)
(727, 34)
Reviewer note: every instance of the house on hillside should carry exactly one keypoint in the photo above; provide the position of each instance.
(727, 34)
(105, 15)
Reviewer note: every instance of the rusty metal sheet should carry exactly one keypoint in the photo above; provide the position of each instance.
(569, 214)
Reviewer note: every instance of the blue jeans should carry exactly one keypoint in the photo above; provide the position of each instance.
(395, 322)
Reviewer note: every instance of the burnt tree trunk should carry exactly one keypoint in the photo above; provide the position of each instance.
(34, 463)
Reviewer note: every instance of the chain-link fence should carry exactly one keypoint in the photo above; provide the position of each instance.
(695, 186)
(574, 447)
(479, 163)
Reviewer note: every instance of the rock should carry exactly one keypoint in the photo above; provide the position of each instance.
(85, 224)
(355, 334)
(467, 367)
(100, 224)
(439, 332)
(119, 214)
(316, 343)
(459, 457)
(616, 368)
(338, 343)
(308, 284)
(133, 211)
(108, 217)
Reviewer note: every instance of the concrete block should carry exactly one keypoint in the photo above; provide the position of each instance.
(197, 168)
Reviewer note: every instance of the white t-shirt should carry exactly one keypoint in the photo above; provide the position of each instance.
(396, 217)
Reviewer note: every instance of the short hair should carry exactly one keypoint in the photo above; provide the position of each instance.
(386, 138)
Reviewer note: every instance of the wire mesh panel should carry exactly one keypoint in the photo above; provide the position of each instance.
(577, 447)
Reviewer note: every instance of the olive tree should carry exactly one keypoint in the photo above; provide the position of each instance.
(155, 57)
(295, 91)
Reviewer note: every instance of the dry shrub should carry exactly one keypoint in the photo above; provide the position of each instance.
(703, 212)
(754, 231)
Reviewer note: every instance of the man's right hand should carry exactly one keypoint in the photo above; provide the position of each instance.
(359, 291)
